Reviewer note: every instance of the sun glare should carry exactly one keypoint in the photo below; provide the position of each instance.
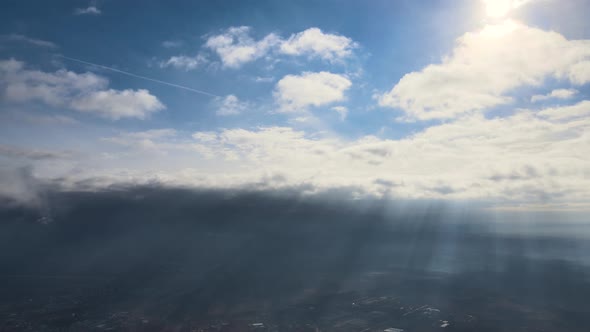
(498, 8)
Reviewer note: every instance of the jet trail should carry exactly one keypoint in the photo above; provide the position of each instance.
(138, 76)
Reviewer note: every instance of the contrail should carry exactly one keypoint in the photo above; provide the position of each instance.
(138, 76)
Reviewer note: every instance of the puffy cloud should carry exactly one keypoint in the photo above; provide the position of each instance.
(525, 158)
(117, 104)
(85, 92)
(484, 66)
(235, 46)
(315, 43)
(185, 62)
(295, 93)
(555, 94)
(230, 105)
(464, 157)
(90, 10)
(56, 89)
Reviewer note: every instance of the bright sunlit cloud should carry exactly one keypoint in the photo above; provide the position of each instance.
(501, 8)
(498, 8)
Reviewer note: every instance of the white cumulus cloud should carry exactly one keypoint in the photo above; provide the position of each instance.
(85, 92)
(295, 93)
(315, 43)
(235, 46)
(484, 66)
(117, 104)
(528, 157)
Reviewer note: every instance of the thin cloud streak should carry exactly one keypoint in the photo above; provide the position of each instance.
(138, 76)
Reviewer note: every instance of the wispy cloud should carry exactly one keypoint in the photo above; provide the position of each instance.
(172, 43)
(264, 79)
(230, 105)
(183, 87)
(31, 153)
(185, 62)
(50, 120)
(28, 40)
(555, 94)
(90, 10)
(342, 112)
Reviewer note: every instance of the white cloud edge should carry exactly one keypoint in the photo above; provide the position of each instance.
(235, 46)
(555, 94)
(527, 158)
(86, 92)
(29, 40)
(298, 93)
(482, 69)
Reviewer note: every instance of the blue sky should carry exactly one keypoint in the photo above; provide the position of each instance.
(461, 100)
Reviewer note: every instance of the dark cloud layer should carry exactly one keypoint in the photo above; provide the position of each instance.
(177, 254)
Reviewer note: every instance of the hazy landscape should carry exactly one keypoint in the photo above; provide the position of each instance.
(156, 258)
